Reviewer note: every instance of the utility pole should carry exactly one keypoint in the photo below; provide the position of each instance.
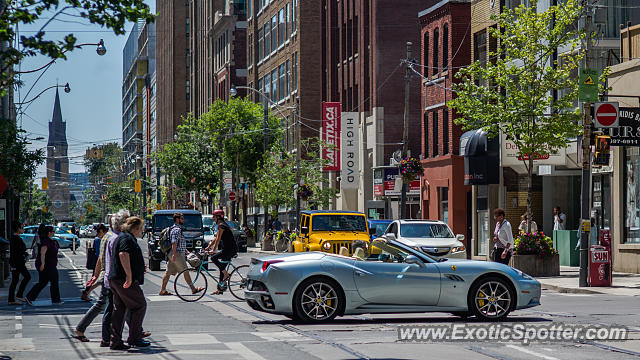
(405, 131)
(585, 213)
(296, 118)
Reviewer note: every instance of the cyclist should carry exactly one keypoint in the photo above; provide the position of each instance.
(229, 248)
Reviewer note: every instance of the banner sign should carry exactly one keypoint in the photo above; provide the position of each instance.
(510, 156)
(350, 178)
(627, 133)
(331, 135)
(390, 188)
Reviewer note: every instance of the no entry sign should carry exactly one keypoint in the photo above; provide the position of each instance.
(606, 114)
(232, 196)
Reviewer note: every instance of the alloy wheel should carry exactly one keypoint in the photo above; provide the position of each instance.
(492, 299)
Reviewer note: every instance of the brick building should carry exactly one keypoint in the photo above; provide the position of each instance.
(217, 52)
(364, 44)
(445, 48)
(172, 26)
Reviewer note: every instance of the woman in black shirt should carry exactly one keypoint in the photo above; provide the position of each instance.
(47, 266)
(17, 260)
(229, 249)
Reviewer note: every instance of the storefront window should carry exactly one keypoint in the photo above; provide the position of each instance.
(631, 190)
(444, 204)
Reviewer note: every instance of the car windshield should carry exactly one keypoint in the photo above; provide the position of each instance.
(424, 230)
(61, 230)
(233, 225)
(207, 221)
(339, 223)
(191, 222)
(380, 228)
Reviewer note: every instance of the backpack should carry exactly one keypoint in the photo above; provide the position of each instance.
(165, 240)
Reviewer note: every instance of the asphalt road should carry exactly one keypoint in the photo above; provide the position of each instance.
(220, 327)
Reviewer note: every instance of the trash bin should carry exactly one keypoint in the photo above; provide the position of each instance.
(4, 260)
(599, 265)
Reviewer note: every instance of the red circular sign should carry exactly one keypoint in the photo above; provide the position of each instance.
(606, 114)
(232, 196)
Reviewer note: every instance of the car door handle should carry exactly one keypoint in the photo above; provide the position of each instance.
(359, 273)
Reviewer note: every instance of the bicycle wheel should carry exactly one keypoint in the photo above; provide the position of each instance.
(198, 279)
(281, 245)
(238, 281)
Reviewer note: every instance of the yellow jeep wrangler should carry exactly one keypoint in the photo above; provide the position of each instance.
(330, 230)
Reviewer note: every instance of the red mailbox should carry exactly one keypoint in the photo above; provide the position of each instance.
(599, 266)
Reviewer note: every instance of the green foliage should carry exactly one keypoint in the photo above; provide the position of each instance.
(513, 93)
(32, 208)
(17, 164)
(105, 170)
(111, 14)
(534, 244)
(410, 168)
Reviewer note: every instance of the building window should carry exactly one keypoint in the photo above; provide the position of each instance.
(288, 79)
(274, 32)
(250, 49)
(260, 44)
(445, 131)
(425, 119)
(444, 204)
(445, 47)
(435, 133)
(187, 26)
(261, 85)
(288, 7)
(274, 85)
(267, 84)
(188, 90)
(425, 54)
(267, 39)
(281, 82)
(294, 16)
(436, 40)
(249, 8)
(282, 27)
(357, 34)
(294, 72)
(480, 47)
(631, 193)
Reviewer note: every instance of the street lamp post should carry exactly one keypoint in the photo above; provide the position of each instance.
(66, 87)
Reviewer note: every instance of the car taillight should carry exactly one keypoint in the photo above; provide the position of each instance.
(266, 264)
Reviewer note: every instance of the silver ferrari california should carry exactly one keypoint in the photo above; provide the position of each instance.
(317, 286)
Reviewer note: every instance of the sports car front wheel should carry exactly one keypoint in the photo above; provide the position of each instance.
(491, 299)
(317, 300)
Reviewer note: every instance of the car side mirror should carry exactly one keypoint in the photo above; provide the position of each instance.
(304, 230)
(206, 229)
(460, 237)
(390, 236)
(413, 260)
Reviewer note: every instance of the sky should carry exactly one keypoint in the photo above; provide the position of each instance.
(93, 108)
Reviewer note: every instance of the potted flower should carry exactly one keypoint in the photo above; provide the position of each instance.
(305, 192)
(534, 255)
(410, 168)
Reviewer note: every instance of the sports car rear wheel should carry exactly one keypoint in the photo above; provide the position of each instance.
(318, 300)
(491, 299)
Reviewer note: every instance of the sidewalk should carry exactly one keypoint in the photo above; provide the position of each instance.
(623, 283)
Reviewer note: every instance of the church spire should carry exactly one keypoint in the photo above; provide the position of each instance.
(57, 128)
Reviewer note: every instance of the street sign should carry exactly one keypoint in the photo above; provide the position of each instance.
(606, 114)
(45, 183)
(588, 87)
(232, 196)
(627, 133)
(138, 186)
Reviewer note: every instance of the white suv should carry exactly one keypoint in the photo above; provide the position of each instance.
(433, 237)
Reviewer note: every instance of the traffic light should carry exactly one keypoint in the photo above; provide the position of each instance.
(138, 186)
(44, 208)
(603, 148)
(45, 183)
(90, 208)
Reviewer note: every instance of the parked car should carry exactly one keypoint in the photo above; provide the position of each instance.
(330, 230)
(379, 226)
(193, 232)
(30, 234)
(317, 287)
(65, 233)
(432, 237)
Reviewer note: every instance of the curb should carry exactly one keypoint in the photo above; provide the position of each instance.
(568, 290)
(260, 251)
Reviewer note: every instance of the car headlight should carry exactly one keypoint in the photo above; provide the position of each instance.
(523, 275)
(326, 245)
(458, 249)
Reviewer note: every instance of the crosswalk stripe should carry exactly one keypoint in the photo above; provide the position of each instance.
(243, 351)
(192, 339)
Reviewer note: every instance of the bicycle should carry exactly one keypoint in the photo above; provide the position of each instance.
(236, 282)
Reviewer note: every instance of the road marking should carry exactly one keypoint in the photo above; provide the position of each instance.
(160, 298)
(202, 352)
(18, 333)
(192, 339)
(243, 351)
(280, 336)
(73, 265)
(23, 344)
(531, 352)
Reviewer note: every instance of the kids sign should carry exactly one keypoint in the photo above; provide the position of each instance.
(331, 135)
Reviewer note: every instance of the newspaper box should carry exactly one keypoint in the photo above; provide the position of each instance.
(599, 266)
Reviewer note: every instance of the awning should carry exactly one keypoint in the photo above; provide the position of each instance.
(481, 158)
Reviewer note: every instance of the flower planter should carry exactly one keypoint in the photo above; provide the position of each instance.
(535, 266)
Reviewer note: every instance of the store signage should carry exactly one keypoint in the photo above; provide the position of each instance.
(350, 178)
(627, 133)
(390, 187)
(331, 135)
(512, 157)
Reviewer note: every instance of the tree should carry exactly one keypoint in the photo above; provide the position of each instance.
(35, 203)
(17, 164)
(513, 93)
(111, 14)
(105, 169)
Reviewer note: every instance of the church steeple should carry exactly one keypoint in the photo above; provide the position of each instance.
(57, 128)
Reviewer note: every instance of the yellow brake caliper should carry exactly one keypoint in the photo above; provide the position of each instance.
(480, 301)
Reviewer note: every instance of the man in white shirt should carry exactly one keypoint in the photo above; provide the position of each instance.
(502, 238)
(559, 219)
